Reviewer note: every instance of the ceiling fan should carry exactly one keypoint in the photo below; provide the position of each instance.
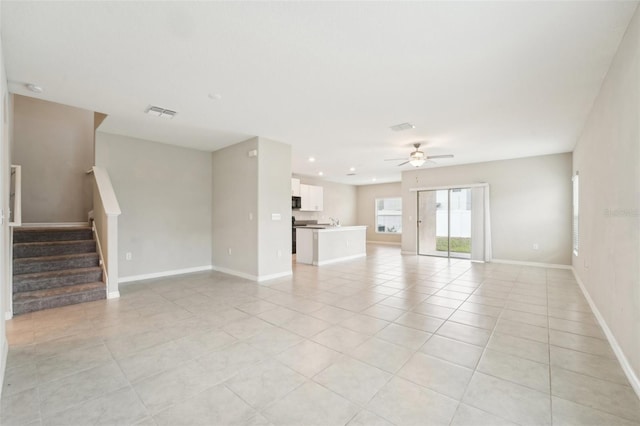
(417, 157)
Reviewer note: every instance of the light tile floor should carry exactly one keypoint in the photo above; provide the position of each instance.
(385, 340)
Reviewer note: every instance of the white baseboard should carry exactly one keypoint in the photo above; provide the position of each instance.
(408, 252)
(113, 295)
(8, 315)
(341, 259)
(535, 264)
(617, 350)
(54, 224)
(388, 243)
(251, 277)
(274, 276)
(162, 274)
(3, 363)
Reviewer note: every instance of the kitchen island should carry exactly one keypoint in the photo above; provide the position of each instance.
(321, 245)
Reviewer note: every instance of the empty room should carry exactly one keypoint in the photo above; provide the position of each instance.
(320, 213)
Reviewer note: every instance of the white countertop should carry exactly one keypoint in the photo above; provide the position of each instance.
(319, 228)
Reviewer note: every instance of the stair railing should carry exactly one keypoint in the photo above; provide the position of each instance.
(106, 210)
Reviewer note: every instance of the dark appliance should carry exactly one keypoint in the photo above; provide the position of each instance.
(296, 203)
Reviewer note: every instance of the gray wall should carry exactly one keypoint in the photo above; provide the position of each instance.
(530, 203)
(54, 145)
(246, 192)
(234, 222)
(165, 197)
(607, 157)
(4, 229)
(274, 197)
(366, 198)
(339, 202)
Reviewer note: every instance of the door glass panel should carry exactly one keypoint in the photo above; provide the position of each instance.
(460, 223)
(444, 223)
(433, 223)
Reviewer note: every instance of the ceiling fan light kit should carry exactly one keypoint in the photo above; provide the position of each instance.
(417, 158)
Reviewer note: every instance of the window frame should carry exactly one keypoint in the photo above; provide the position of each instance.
(376, 215)
(575, 225)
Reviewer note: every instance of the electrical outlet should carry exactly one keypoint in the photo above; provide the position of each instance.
(250, 216)
(128, 256)
(229, 251)
(536, 246)
(279, 253)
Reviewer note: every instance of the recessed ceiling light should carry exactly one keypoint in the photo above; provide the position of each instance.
(34, 88)
(311, 159)
(352, 169)
(402, 126)
(320, 174)
(215, 96)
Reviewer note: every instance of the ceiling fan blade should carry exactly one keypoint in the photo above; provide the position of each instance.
(402, 164)
(395, 159)
(440, 156)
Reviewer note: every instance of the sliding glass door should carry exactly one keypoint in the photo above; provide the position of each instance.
(444, 222)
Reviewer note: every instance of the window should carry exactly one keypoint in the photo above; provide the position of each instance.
(576, 205)
(389, 215)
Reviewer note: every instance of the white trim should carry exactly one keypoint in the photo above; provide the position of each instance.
(234, 273)
(3, 365)
(622, 359)
(54, 224)
(274, 276)
(162, 274)
(389, 243)
(408, 252)
(536, 264)
(113, 295)
(435, 188)
(257, 278)
(105, 189)
(340, 259)
(8, 315)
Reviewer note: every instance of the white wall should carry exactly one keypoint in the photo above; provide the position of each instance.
(339, 202)
(607, 157)
(165, 197)
(54, 145)
(530, 203)
(366, 197)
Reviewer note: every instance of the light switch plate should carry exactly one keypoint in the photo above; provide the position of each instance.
(275, 216)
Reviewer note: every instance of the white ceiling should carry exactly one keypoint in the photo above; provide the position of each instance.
(480, 80)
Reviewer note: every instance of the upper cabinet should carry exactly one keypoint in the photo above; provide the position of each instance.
(312, 198)
(295, 187)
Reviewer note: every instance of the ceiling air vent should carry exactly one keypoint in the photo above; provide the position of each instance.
(160, 112)
(402, 126)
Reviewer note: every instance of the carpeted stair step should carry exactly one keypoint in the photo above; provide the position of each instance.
(55, 279)
(30, 265)
(37, 300)
(55, 248)
(60, 233)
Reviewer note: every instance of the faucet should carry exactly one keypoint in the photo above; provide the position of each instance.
(334, 222)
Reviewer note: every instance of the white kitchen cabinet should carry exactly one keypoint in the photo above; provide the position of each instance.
(312, 198)
(295, 187)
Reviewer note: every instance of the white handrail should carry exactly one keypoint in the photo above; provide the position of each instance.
(15, 213)
(107, 194)
(102, 264)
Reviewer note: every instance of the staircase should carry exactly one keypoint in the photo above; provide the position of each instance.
(55, 267)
